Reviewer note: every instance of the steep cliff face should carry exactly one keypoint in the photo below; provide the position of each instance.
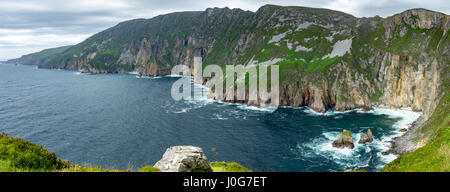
(400, 61)
(327, 59)
(415, 69)
(154, 46)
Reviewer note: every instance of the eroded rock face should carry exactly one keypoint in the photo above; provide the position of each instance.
(183, 159)
(345, 140)
(366, 138)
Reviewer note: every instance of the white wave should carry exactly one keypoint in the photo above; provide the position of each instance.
(386, 159)
(133, 73)
(327, 113)
(406, 114)
(148, 77)
(253, 108)
(80, 73)
(173, 76)
(321, 146)
(203, 97)
(184, 110)
(348, 158)
(326, 145)
(219, 117)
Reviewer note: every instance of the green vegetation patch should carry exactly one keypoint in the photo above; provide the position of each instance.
(321, 64)
(228, 167)
(346, 133)
(376, 96)
(149, 169)
(18, 155)
(21, 155)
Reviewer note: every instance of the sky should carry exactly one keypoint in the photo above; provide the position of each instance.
(28, 26)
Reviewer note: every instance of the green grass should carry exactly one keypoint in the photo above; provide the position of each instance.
(228, 167)
(21, 155)
(321, 64)
(347, 133)
(149, 169)
(376, 96)
(78, 168)
(18, 155)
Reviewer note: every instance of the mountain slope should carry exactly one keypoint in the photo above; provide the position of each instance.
(327, 58)
(39, 58)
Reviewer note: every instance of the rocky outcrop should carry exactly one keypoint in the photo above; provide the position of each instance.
(407, 143)
(344, 140)
(420, 18)
(366, 137)
(183, 159)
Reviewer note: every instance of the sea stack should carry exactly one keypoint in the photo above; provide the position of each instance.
(345, 140)
(366, 138)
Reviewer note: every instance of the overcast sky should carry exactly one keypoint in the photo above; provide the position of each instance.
(28, 26)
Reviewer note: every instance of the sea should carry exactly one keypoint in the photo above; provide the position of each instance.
(121, 121)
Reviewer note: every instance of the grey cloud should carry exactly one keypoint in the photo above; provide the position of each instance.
(72, 21)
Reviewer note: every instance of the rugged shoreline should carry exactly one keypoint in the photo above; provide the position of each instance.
(405, 144)
(399, 145)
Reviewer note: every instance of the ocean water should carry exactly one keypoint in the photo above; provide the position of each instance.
(120, 121)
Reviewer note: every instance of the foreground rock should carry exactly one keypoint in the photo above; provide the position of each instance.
(345, 140)
(366, 138)
(184, 159)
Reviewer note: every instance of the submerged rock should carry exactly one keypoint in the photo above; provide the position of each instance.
(345, 140)
(184, 159)
(366, 138)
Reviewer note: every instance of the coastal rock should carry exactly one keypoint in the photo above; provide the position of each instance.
(345, 140)
(366, 138)
(184, 159)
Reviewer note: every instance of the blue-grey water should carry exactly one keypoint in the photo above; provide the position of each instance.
(120, 121)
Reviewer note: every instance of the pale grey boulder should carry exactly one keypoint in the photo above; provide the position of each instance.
(184, 159)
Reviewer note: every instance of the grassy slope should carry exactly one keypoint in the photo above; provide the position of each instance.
(228, 167)
(435, 156)
(18, 155)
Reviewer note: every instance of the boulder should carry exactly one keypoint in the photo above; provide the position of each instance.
(366, 137)
(184, 159)
(345, 140)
